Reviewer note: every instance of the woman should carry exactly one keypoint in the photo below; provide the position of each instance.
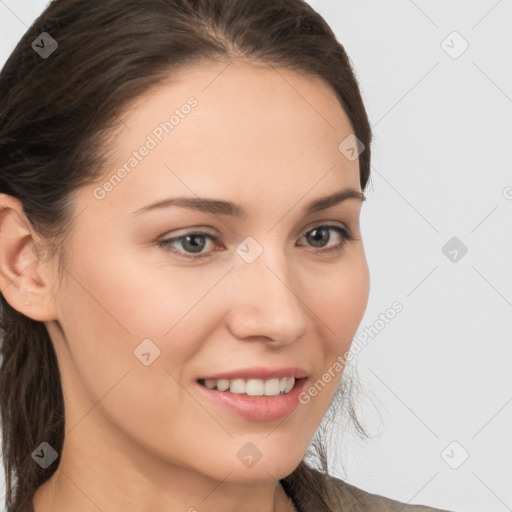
(181, 185)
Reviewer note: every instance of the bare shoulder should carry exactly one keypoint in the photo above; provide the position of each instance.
(356, 499)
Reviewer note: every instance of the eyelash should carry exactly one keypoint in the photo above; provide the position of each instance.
(345, 233)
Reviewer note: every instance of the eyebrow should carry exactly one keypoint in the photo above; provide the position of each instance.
(220, 207)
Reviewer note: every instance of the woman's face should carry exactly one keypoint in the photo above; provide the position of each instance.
(142, 317)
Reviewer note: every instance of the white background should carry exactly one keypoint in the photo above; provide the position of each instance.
(440, 370)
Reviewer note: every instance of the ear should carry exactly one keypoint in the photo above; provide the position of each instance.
(25, 279)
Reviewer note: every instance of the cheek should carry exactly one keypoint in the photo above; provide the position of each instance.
(341, 300)
(110, 304)
(135, 297)
(338, 302)
(107, 307)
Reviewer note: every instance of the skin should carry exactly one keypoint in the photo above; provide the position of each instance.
(143, 437)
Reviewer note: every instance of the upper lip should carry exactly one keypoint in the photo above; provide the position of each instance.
(260, 372)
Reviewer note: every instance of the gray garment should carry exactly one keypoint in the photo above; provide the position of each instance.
(351, 499)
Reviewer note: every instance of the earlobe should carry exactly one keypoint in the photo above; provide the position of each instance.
(24, 279)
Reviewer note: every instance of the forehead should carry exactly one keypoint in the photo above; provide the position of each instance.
(251, 101)
(238, 126)
(239, 82)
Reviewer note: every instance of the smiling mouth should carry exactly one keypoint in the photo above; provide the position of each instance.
(252, 387)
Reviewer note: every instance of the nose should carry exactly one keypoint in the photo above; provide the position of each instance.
(266, 301)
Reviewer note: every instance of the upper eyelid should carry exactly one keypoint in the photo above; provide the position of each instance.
(345, 232)
(349, 233)
(204, 230)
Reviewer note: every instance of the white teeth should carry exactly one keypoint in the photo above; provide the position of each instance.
(253, 387)
(272, 387)
(222, 384)
(237, 386)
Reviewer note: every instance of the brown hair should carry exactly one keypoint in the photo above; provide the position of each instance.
(56, 114)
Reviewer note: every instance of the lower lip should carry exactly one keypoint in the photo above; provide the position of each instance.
(257, 408)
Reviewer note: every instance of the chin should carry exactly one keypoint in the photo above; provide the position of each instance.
(269, 470)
